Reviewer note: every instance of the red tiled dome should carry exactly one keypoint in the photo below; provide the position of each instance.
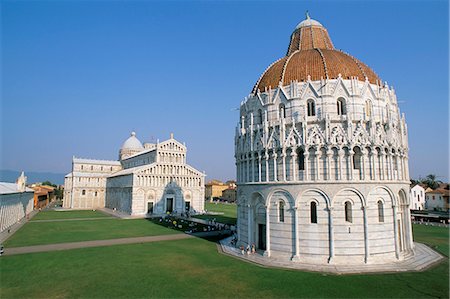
(311, 53)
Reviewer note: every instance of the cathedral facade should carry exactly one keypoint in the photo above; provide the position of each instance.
(322, 159)
(149, 178)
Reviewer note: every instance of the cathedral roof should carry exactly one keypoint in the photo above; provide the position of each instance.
(311, 53)
(132, 143)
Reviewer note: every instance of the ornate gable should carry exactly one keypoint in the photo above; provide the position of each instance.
(360, 136)
(294, 138)
(315, 136)
(338, 136)
(339, 89)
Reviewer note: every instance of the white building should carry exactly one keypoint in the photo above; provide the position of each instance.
(16, 202)
(417, 198)
(322, 159)
(147, 179)
(435, 201)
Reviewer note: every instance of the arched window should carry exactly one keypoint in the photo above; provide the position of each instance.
(92, 167)
(380, 211)
(282, 111)
(81, 167)
(341, 106)
(357, 158)
(348, 211)
(281, 211)
(311, 107)
(260, 116)
(368, 108)
(83, 192)
(313, 208)
(301, 159)
(95, 194)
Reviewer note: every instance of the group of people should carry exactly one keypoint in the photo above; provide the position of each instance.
(248, 250)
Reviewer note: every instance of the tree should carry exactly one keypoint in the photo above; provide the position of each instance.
(48, 183)
(431, 181)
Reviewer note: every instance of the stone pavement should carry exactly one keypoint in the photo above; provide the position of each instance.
(423, 258)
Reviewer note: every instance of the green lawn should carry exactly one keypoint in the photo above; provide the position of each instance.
(38, 233)
(48, 215)
(193, 268)
(436, 237)
(229, 212)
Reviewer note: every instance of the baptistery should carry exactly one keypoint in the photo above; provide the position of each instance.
(322, 159)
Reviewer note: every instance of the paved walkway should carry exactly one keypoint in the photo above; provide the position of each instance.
(73, 219)
(423, 258)
(96, 243)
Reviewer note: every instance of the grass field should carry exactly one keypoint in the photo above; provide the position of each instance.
(436, 237)
(229, 212)
(188, 268)
(193, 268)
(47, 215)
(38, 233)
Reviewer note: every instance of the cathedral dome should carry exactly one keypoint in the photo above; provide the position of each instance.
(311, 55)
(132, 143)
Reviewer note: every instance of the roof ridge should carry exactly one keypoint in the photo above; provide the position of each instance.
(324, 62)
(255, 88)
(285, 65)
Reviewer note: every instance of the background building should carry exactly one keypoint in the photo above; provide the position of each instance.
(43, 195)
(417, 197)
(16, 202)
(437, 200)
(322, 159)
(148, 179)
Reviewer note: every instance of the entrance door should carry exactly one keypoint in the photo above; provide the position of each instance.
(169, 205)
(187, 206)
(262, 236)
(150, 208)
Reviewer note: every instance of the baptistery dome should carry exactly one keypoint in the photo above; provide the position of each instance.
(322, 159)
(311, 54)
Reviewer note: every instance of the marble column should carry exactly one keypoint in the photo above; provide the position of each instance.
(328, 173)
(317, 156)
(267, 252)
(249, 225)
(294, 164)
(306, 161)
(366, 235)
(341, 155)
(396, 232)
(330, 234)
(296, 256)
(238, 222)
(373, 165)
(283, 158)
(275, 166)
(266, 156)
(362, 174)
(253, 160)
(259, 168)
(409, 225)
(350, 167)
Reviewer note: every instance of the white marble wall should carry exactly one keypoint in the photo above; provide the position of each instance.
(14, 207)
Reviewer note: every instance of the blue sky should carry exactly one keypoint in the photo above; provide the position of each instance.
(79, 76)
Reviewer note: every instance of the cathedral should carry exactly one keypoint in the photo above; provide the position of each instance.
(148, 179)
(321, 152)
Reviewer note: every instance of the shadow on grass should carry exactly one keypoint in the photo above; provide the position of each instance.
(207, 232)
